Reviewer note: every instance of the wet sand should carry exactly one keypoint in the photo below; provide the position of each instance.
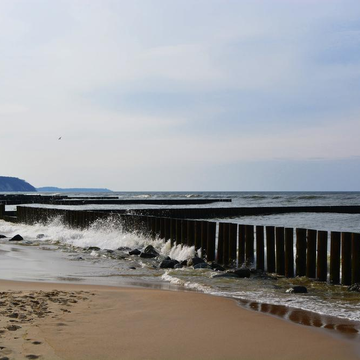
(95, 322)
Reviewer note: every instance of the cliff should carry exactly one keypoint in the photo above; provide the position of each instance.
(11, 184)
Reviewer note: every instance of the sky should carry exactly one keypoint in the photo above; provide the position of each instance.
(181, 95)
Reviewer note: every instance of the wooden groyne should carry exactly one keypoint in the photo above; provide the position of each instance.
(325, 256)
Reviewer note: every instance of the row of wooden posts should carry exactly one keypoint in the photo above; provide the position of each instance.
(266, 248)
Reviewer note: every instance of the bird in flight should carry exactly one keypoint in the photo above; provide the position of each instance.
(59, 138)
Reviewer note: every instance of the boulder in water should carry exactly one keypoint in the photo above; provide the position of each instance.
(17, 238)
(149, 252)
(2, 236)
(354, 287)
(194, 261)
(297, 290)
(168, 264)
(202, 265)
(40, 236)
(215, 266)
(92, 248)
(135, 252)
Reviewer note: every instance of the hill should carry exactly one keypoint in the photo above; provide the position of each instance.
(76, 190)
(11, 184)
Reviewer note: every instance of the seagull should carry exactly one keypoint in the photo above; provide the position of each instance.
(59, 138)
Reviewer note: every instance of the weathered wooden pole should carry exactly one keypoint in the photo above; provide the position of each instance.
(260, 248)
(167, 229)
(355, 244)
(232, 243)
(301, 248)
(197, 231)
(204, 237)
(226, 248)
(289, 252)
(322, 255)
(172, 231)
(178, 231)
(153, 227)
(280, 251)
(311, 254)
(249, 244)
(220, 249)
(270, 248)
(184, 232)
(211, 238)
(162, 228)
(241, 249)
(190, 233)
(335, 257)
(346, 258)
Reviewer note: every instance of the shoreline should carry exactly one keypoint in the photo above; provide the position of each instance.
(158, 324)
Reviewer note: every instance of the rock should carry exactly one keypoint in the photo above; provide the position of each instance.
(17, 238)
(178, 266)
(2, 236)
(238, 273)
(109, 251)
(149, 252)
(40, 236)
(203, 265)
(217, 267)
(242, 273)
(184, 263)
(92, 248)
(135, 252)
(132, 268)
(194, 261)
(124, 248)
(354, 287)
(297, 290)
(168, 264)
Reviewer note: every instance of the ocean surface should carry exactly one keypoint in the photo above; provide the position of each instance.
(112, 265)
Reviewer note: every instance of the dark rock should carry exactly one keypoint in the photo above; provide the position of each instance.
(297, 290)
(178, 266)
(168, 258)
(194, 261)
(17, 238)
(184, 263)
(92, 248)
(354, 287)
(149, 252)
(217, 267)
(132, 268)
(124, 248)
(168, 264)
(2, 236)
(226, 275)
(203, 265)
(135, 252)
(40, 236)
(242, 273)
(109, 251)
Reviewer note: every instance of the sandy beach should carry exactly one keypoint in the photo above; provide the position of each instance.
(65, 321)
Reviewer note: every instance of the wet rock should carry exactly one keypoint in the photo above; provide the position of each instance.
(203, 265)
(184, 263)
(242, 273)
(135, 252)
(354, 287)
(124, 248)
(225, 275)
(194, 261)
(40, 236)
(297, 290)
(215, 266)
(92, 248)
(168, 264)
(132, 268)
(149, 252)
(17, 238)
(109, 251)
(2, 237)
(178, 266)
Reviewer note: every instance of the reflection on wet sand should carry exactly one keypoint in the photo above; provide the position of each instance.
(350, 329)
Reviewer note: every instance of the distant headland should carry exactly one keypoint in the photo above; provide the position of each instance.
(77, 190)
(12, 184)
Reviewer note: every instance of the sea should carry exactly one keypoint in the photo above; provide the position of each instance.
(108, 262)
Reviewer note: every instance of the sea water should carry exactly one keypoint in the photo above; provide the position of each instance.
(113, 265)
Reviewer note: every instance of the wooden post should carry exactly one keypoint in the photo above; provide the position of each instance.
(270, 248)
(157, 227)
(249, 244)
(289, 252)
(178, 231)
(204, 236)
(220, 249)
(153, 227)
(211, 236)
(355, 273)
(162, 228)
(301, 248)
(183, 232)
(232, 243)
(335, 258)
(346, 258)
(311, 254)
(280, 251)
(260, 248)
(172, 231)
(198, 233)
(190, 233)
(322, 255)
(226, 229)
(241, 250)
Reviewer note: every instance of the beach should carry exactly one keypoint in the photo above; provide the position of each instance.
(100, 322)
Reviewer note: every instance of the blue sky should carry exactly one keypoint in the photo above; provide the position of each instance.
(181, 95)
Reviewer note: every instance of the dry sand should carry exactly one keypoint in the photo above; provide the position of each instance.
(94, 322)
